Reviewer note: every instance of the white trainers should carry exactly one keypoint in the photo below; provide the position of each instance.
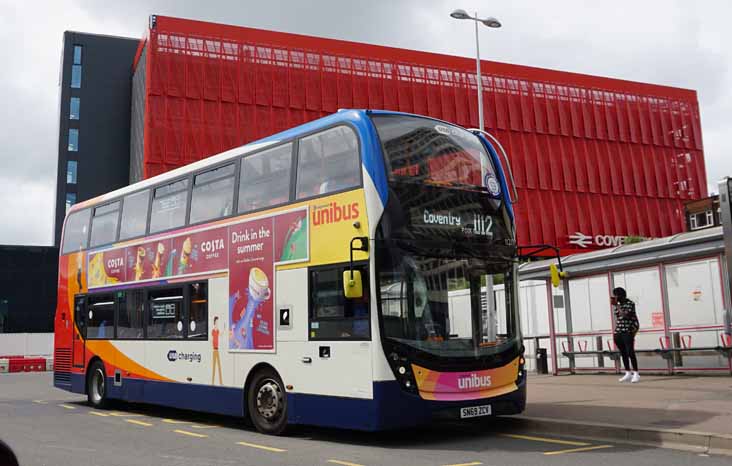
(626, 377)
(635, 378)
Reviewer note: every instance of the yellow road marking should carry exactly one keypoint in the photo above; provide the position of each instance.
(474, 463)
(575, 450)
(173, 421)
(97, 413)
(262, 447)
(203, 426)
(344, 463)
(192, 434)
(546, 440)
(116, 414)
(68, 407)
(139, 423)
(40, 402)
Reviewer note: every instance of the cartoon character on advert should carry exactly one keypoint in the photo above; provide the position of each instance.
(295, 242)
(139, 267)
(257, 293)
(158, 259)
(97, 274)
(185, 254)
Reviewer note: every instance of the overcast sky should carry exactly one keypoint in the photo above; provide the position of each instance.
(675, 43)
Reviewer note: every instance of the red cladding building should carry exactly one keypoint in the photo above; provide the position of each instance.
(594, 159)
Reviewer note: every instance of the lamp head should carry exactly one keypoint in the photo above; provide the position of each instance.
(491, 22)
(460, 14)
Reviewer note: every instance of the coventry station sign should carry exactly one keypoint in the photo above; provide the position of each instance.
(600, 241)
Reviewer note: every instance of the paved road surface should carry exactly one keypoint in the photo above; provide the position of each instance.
(46, 426)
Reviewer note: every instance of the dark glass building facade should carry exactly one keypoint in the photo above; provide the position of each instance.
(94, 118)
(27, 288)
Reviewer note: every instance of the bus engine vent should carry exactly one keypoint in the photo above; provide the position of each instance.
(62, 366)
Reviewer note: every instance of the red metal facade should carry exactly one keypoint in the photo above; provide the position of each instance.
(592, 155)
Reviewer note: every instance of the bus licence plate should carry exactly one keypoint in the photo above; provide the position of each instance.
(475, 411)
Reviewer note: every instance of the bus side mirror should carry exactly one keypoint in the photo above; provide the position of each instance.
(556, 275)
(352, 284)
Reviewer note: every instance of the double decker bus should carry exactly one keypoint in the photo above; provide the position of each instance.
(339, 274)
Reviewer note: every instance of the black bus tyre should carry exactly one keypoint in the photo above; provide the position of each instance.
(96, 386)
(267, 402)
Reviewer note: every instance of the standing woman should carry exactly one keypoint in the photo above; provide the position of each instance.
(626, 326)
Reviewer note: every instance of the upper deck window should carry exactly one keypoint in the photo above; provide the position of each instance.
(76, 231)
(213, 194)
(134, 215)
(104, 224)
(328, 161)
(433, 152)
(169, 206)
(265, 178)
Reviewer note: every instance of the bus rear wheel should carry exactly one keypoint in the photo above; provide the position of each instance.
(267, 402)
(96, 385)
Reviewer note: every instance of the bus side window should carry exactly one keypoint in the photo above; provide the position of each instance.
(328, 162)
(134, 215)
(332, 316)
(100, 323)
(169, 206)
(213, 194)
(265, 178)
(165, 314)
(198, 311)
(131, 312)
(76, 231)
(104, 224)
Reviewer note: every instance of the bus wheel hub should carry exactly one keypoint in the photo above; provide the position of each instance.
(269, 400)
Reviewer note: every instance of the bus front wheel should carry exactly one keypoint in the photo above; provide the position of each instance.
(267, 402)
(96, 385)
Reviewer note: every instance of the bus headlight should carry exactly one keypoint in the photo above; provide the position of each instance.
(403, 372)
(521, 367)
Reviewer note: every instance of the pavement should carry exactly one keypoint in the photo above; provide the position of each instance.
(46, 426)
(693, 412)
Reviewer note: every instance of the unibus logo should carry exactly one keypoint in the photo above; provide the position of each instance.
(334, 213)
(474, 381)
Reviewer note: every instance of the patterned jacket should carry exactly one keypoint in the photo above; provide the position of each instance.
(626, 320)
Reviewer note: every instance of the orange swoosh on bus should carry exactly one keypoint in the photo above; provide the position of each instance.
(108, 352)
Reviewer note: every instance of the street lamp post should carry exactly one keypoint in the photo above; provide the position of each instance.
(490, 326)
(490, 22)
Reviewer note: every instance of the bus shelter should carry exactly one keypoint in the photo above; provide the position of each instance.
(678, 283)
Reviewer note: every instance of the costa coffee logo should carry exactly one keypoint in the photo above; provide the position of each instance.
(334, 213)
(213, 245)
(115, 263)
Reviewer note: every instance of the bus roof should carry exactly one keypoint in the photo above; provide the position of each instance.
(343, 115)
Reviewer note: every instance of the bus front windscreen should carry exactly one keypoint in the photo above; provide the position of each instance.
(425, 151)
(441, 307)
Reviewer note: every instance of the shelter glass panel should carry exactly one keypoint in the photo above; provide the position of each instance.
(694, 293)
(644, 289)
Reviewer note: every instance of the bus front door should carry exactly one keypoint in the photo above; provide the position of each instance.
(79, 331)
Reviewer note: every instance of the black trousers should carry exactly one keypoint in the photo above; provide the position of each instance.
(626, 345)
